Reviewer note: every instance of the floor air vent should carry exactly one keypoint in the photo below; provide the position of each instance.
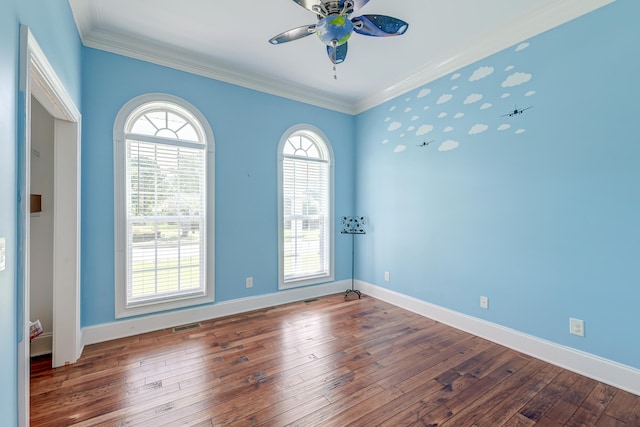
(186, 327)
(307, 301)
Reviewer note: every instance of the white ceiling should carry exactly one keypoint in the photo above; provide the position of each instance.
(227, 40)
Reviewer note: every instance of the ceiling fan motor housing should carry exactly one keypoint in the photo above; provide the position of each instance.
(332, 7)
(335, 26)
(334, 30)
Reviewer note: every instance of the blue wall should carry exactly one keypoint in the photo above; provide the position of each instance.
(541, 216)
(247, 127)
(540, 211)
(52, 25)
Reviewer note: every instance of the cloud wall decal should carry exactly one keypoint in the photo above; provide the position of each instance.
(400, 148)
(474, 97)
(516, 79)
(478, 129)
(424, 129)
(424, 92)
(444, 98)
(481, 73)
(394, 126)
(449, 145)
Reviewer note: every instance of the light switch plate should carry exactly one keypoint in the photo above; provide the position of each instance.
(3, 251)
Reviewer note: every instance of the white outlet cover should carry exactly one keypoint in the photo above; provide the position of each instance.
(576, 327)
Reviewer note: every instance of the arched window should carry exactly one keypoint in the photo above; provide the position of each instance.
(305, 207)
(163, 206)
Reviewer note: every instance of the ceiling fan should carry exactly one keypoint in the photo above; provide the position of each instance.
(334, 25)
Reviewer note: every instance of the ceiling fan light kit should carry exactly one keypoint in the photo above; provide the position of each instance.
(334, 26)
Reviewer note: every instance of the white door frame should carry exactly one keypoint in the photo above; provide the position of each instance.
(38, 78)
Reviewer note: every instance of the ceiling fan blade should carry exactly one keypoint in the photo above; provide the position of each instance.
(357, 4)
(293, 34)
(337, 54)
(379, 25)
(308, 4)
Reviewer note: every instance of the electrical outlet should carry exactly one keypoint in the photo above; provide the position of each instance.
(387, 277)
(576, 327)
(484, 302)
(249, 282)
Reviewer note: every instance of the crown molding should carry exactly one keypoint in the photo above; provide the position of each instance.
(538, 21)
(149, 51)
(534, 22)
(83, 16)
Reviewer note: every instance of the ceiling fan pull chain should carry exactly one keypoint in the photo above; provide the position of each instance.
(334, 43)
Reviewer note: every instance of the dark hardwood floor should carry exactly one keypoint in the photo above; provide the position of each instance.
(325, 362)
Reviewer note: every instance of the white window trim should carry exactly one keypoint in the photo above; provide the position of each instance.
(120, 223)
(317, 133)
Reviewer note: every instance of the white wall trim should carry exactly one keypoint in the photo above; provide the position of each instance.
(129, 327)
(592, 366)
(589, 365)
(531, 23)
(38, 78)
(519, 30)
(324, 144)
(43, 83)
(42, 344)
(166, 56)
(201, 124)
(67, 346)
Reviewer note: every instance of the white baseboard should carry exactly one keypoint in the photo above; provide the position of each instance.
(589, 365)
(42, 344)
(140, 325)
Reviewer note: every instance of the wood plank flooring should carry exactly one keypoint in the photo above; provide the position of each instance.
(324, 362)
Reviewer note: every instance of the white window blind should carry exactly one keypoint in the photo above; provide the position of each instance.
(166, 213)
(305, 202)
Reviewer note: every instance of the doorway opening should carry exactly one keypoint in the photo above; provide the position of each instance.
(39, 82)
